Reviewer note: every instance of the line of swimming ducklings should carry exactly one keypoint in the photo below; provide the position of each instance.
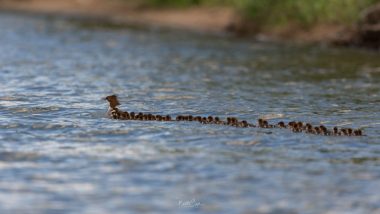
(295, 126)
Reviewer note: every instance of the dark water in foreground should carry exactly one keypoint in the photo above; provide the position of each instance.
(60, 154)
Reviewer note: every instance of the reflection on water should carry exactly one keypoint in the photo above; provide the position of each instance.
(60, 153)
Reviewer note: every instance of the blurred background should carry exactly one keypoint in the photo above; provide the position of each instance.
(60, 153)
(343, 22)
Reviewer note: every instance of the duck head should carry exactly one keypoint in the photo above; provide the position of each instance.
(112, 99)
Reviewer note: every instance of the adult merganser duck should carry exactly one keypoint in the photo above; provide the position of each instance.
(112, 99)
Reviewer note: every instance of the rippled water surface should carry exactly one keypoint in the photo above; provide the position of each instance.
(60, 154)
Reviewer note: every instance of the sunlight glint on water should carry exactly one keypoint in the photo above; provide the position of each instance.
(59, 153)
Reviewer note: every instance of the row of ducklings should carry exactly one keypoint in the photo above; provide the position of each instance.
(233, 121)
(308, 128)
(124, 115)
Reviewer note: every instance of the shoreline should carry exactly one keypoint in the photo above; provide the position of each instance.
(205, 20)
(198, 19)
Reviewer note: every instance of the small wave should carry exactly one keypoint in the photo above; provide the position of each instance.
(18, 156)
(272, 116)
(34, 110)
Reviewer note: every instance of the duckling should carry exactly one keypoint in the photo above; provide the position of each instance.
(244, 124)
(335, 130)
(168, 118)
(260, 123)
(323, 130)
(210, 119)
(358, 132)
(265, 124)
(310, 130)
(291, 124)
(125, 116)
(317, 130)
(326, 132)
(190, 118)
(132, 115)
(300, 125)
(158, 117)
(349, 132)
(115, 114)
(281, 124)
(145, 117)
(295, 128)
(150, 116)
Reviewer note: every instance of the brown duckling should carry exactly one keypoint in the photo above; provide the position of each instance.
(132, 115)
(291, 124)
(115, 114)
(324, 130)
(125, 115)
(358, 132)
(296, 128)
(145, 117)
(310, 130)
(317, 130)
(149, 116)
(218, 121)
(335, 130)
(300, 125)
(281, 124)
(244, 124)
(265, 124)
(260, 123)
(210, 119)
(168, 118)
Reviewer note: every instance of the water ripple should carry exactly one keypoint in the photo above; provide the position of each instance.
(60, 154)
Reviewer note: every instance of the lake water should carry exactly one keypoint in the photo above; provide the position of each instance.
(60, 154)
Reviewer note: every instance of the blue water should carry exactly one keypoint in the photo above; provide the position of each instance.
(59, 153)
